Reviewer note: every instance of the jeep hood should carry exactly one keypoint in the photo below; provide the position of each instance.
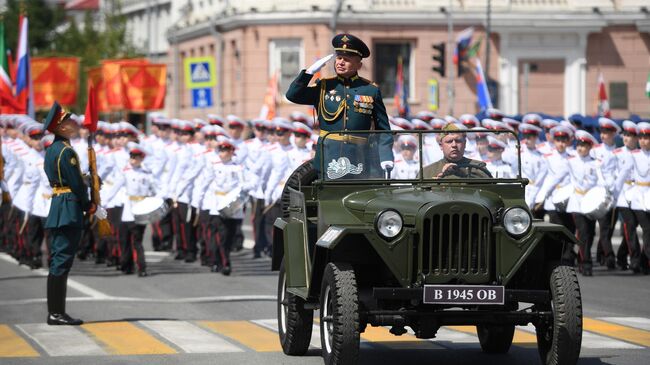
(409, 200)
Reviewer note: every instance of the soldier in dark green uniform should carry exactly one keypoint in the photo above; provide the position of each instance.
(454, 165)
(65, 219)
(347, 102)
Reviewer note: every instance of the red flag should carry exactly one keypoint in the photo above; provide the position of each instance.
(92, 113)
(603, 102)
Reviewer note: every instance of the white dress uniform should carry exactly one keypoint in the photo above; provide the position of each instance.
(180, 184)
(17, 149)
(26, 194)
(500, 169)
(43, 195)
(604, 155)
(137, 183)
(405, 169)
(80, 146)
(298, 156)
(557, 177)
(533, 168)
(624, 183)
(255, 163)
(584, 176)
(225, 177)
(241, 151)
(431, 151)
(641, 176)
(280, 172)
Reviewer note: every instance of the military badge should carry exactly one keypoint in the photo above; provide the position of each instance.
(73, 161)
(341, 167)
(338, 98)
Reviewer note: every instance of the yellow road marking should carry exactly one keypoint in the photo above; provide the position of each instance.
(124, 338)
(624, 333)
(521, 337)
(381, 334)
(246, 333)
(12, 345)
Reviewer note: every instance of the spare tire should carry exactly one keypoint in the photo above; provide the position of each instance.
(304, 174)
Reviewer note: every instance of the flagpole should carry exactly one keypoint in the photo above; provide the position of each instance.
(450, 69)
(488, 30)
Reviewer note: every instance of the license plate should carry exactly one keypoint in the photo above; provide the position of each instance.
(463, 294)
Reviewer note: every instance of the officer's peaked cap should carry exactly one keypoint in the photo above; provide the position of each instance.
(347, 43)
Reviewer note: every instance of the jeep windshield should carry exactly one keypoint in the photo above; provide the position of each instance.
(420, 156)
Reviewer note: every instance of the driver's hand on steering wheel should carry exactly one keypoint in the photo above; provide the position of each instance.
(447, 169)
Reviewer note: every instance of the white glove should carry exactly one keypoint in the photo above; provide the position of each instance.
(319, 64)
(101, 213)
(387, 164)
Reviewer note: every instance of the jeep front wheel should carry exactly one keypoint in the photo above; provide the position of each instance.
(339, 315)
(294, 321)
(559, 341)
(495, 339)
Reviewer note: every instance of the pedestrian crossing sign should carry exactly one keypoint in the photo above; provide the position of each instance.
(200, 72)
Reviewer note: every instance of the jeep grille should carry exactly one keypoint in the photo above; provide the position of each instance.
(456, 246)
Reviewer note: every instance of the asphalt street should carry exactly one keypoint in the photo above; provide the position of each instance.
(182, 313)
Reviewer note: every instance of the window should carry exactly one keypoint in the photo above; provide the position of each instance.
(385, 67)
(618, 95)
(285, 57)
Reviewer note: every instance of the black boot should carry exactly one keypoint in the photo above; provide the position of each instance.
(56, 294)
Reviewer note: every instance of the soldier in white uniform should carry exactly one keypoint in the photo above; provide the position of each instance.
(138, 183)
(641, 201)
(431, 151)
(226, 176)
(547, 146)
(181, 190)
(533, 165)
(406, 166)
(499, 169)
(30, 231)
(624, 194)
(280, 167)
(256, 164)
(558, 177)
(607, 163)
(583, 169)
(301, 153)
(533, 119)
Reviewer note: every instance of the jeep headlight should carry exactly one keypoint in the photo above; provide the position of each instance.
(388, 224)
(516, 221)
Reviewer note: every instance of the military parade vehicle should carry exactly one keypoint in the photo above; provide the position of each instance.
(413, 254)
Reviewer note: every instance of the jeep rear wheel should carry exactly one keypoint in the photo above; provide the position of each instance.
(559, 342)
(294, 321)
(495, 339)
(339, 315)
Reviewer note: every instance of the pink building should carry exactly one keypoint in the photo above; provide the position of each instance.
(545, 55)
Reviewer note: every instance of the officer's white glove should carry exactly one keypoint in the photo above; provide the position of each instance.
(385, 165)
(101, 213)
(319, 64)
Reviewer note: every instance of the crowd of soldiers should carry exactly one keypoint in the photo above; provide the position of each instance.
(208, 172)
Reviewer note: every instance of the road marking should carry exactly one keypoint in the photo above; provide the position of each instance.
(520, 338)
(591, 340)
(213, 299)
(61, 340)
(636, 322)
(124, 338)
(624, 333)
(246, 333)
(189, 337)
(12, 345)
(381, 336)
(272, 324)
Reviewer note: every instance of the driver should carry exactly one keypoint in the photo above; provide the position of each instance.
(454, 165)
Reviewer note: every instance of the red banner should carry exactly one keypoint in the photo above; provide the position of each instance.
(143, 86)
(113, 80)
(95, 76)
(55, 78)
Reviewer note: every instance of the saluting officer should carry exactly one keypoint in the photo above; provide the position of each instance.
(69, 203)
(346, 102)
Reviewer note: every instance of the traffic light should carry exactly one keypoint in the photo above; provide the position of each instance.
(462, 58)
(439, 59)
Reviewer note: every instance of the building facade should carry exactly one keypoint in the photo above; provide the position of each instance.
(545, 55)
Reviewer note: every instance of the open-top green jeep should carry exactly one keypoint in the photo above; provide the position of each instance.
(402, 249)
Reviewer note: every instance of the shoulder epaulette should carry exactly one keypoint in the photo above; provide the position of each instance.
(548, 154)
(636, 151)
(396, 161)
(126, 168)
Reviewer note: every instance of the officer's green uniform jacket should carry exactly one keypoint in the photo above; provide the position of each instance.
(467, 168)
(345, 104)
(62, 169)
